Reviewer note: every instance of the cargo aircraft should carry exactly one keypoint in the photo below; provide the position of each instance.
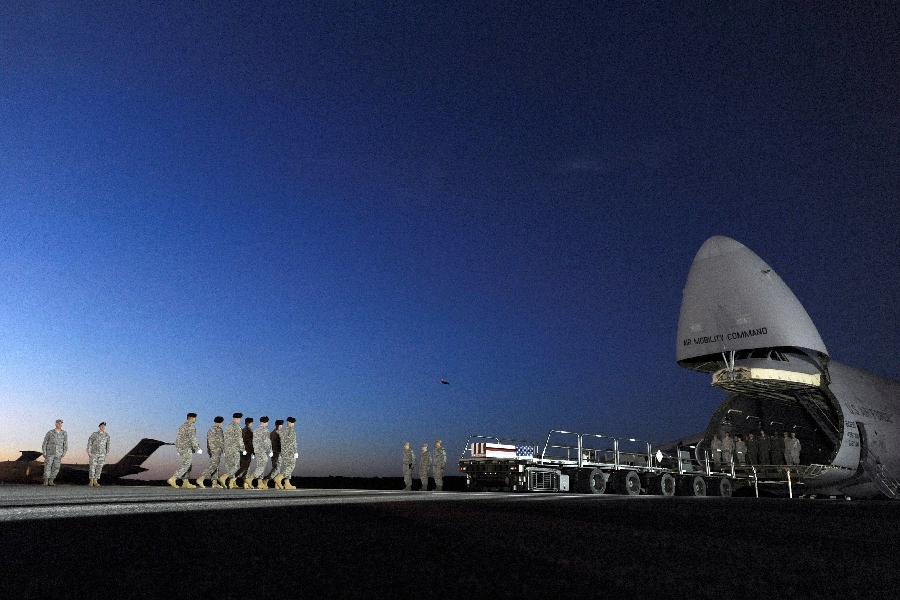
(744, 327)
(27, 469)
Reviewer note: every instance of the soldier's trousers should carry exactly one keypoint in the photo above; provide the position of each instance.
(424, 478)
(185, 469)
(213, 468)
(286, 465)
(407, 478)
(276, 467)
(97, 462)
(234, 463)
(51, 466)
(244, 467)
(260, 466)
(439, 478)
(726, 456)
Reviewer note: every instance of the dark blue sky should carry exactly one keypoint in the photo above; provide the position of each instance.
(322, 212)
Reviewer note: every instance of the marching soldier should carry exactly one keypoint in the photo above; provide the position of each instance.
(56, 444)
(289, 455)
(234, 452)
(424, 465)
(97, 449)
(247, 433)
(440, 461)
(262, 446)
(186, 444)
(409, 460)
(727, 449)
(275, 438)
(215, 445)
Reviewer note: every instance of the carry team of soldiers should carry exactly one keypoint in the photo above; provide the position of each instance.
(763, 450)
(232, 444)
(435, 463)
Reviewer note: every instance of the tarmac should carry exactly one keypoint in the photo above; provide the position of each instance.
(151, 542)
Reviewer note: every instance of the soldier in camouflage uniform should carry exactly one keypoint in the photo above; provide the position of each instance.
(424, 465)
(727, 450)
(234, 452)
(409, 460)
(56, 444)
(215, 445)
(275, 438)
(262, 447)
(762, 449)
(97, 449)
(289, 454)
(440, 461)
(740, 450)
(186, 444)
(247, 433)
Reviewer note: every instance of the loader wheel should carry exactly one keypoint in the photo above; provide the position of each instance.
(691, 485)
(628, 483)
(663, 485)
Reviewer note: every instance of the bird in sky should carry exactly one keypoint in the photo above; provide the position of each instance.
(444, 381)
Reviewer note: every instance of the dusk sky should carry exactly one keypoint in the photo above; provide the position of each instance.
(323, 209)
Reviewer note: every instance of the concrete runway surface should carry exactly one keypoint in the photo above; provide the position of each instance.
(151, 542)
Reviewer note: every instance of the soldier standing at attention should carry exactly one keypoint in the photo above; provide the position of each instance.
(289, 455)
(762, 448)
(795, 449)
(262, 446)
(786, 444)
(716, 450)
(275, 438)
(424, 465)
(186, 444)
(408, 460)
(776, 449)
(440, 461)
(234, 452)
(97, 449)
(215, 445)
(246, 457)
(752, 456)
(727, 449)
(56, 444)
(740, 450)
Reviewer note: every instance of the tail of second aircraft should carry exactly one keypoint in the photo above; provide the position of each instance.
(130, 464)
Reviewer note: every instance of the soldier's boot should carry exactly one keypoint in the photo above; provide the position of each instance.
(216, 486)
(186, 484)
(90, 483)
(200, 483)
(52, 481)
(287, 484)
(172, 481)
(222, 480)
(438, 488)
(232, 483)
(277, 481)
(248, 483)
(262, 484)
(46, 482)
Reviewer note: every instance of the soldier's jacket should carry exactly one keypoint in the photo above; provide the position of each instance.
(424, 461)
(275, 438)
(215, 440)
(56, 443)
(440, 458)
(740, 447)
(288, 440)
(234, 438)
(262, 445)
(186, 441)
(248, 439)
(98, 443)
(728, 444)
(409, 460)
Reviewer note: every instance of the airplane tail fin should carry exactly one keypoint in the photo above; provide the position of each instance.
(734, 301)
(28, 456)
(130, 464)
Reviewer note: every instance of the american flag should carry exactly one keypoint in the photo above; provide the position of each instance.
(525, 451)
(490, 450)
